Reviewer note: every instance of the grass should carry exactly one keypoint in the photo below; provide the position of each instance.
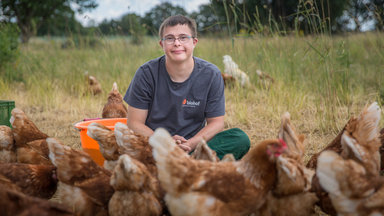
(322, 81)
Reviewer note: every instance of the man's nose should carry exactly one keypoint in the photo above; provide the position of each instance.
(177, 42)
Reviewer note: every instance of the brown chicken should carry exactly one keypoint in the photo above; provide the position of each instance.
(7, 147)
(105, 137)
(363, 130)
(352, 189)
(84, 186)
(34, 180)
(200, 187)
(15, 203)
(136, 146)
(228, 79)
(31, 146)
(93, 86)
(203, 152)
(34, 152)
(291, 194)
(115, 107)
(6, 183)
(137, 191)
(24, 130)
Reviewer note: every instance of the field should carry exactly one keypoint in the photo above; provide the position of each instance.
(321, 81)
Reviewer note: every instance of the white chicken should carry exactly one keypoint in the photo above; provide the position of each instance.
(231, 68)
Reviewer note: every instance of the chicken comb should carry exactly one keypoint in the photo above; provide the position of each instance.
(283, 142)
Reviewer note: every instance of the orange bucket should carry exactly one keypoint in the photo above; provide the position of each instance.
(90, 145)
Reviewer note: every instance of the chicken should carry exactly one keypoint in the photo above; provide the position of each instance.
(265, 80)
(264, 76)
(115, 107)
(137, 192)
(334, 145)
(7, 147)
(228, 79)
(23, 129)
(15, 203)
(34, 152)
(34, 180)
(7, 183)
(93, 86)
(358, 128)
(291, 194)
(232, 69)
(30, 143)
(136, 146)
(352, 189)
(364, 148)
(203, 152)
(228, 158)
(84, 185)
(363, 132)
(105, 137)
(200, 187)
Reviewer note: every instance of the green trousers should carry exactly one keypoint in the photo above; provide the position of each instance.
(232, 141)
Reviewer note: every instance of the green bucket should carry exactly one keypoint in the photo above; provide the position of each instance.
(5, 112)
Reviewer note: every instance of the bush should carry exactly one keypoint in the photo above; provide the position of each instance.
(9, 42)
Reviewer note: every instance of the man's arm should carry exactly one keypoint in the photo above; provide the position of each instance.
(214, 126)
(136, 121)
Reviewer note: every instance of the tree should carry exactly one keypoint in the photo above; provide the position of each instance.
(153, 19)
(282, 16)
(131, 25)
(62, 25)
(206, 19)
(30, 15)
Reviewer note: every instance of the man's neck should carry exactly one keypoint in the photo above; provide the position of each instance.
(179, 72)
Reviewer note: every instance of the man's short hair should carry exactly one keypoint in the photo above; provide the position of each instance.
(178, 20)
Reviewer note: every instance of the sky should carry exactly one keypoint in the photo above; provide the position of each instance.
(114, 9)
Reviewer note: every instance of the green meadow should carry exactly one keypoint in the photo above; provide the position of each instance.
(321, 81)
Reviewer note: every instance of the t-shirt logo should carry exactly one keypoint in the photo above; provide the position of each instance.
(190, 103)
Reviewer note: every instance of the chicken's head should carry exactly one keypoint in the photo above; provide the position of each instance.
(276, 148)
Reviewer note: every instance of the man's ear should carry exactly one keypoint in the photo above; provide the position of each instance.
(195, 40)
(161, 43)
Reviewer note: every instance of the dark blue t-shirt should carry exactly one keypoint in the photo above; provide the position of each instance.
(180, 108)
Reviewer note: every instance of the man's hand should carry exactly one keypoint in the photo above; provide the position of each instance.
(179, 139)
(182, 143)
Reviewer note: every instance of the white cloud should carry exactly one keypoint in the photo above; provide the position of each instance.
(114, 9)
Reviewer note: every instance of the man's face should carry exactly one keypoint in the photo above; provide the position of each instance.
(181, 49)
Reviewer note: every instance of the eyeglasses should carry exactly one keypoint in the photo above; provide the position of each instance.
(182, 39)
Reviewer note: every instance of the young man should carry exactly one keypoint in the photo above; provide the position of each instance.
(183, 94)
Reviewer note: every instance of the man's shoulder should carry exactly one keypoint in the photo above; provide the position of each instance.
(153, 62)
(207, 66)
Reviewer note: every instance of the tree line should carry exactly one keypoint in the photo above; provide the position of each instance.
(246, 17)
